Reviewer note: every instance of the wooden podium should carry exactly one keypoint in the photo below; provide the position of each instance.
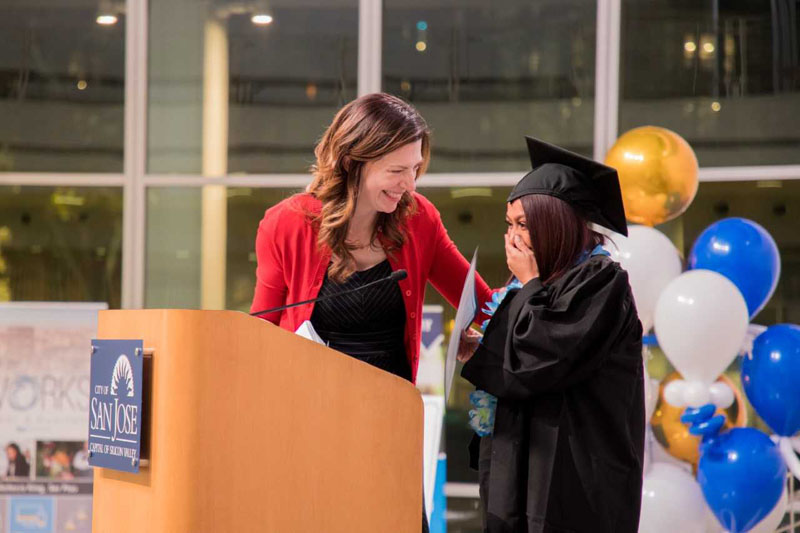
(253, 428)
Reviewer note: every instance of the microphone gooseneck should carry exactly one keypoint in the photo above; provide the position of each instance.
(396, 275)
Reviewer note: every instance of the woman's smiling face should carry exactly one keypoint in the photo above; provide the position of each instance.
(386, 180)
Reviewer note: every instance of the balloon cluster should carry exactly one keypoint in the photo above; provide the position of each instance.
(701, 319)
(673, 437)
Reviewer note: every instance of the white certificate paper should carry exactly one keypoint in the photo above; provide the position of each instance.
(467, 307)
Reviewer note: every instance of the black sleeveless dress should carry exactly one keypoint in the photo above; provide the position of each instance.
(369, 324)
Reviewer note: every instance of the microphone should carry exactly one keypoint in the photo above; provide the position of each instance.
(397, 275)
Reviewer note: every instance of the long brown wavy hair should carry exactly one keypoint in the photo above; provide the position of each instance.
(364, 130)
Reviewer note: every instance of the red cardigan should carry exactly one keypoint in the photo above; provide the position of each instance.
(291, 267)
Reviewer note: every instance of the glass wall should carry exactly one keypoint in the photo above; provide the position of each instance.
(175, 247)
(62, 78)
(484, 74)
(60, 244)
(243, 90)
(724, 75)
(246, 87)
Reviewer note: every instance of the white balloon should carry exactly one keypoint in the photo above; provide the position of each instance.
(696, 393)
(701, 321)
(671, 501)
(721, 394)
(651, 260)
(675, 393)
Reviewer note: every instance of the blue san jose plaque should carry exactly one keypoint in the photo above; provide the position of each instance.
(115, 404)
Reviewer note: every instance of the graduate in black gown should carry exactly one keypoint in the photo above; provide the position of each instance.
(563, 357)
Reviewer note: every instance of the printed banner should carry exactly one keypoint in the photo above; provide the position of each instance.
(45, 477)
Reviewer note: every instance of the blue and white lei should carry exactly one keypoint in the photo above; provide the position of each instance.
(481, 418)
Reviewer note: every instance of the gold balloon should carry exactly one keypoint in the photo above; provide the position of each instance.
(674, 435)
(657, 174)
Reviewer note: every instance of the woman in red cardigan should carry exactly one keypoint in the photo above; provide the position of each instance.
(359, 220)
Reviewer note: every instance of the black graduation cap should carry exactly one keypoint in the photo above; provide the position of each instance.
(590, 187)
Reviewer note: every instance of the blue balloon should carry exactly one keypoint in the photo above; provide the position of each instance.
(771, 378)
(743, 252)
(742, 475)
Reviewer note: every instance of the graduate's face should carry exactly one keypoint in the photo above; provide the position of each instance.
(517, 226)
(386, 180)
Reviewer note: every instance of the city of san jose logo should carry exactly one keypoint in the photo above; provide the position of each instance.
(123, 373)
(115, 403)
(115, 418)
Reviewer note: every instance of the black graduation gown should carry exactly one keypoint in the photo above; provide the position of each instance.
(565, 362)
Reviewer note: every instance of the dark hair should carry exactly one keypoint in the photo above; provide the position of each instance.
(364, 130)
(20, 462)
(559, 234)
(15, 447)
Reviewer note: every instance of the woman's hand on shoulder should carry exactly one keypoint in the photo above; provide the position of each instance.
(470, 339)
(520, 259)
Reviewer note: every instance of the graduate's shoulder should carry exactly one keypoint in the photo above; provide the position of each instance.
(596, 273)
(598, 266)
